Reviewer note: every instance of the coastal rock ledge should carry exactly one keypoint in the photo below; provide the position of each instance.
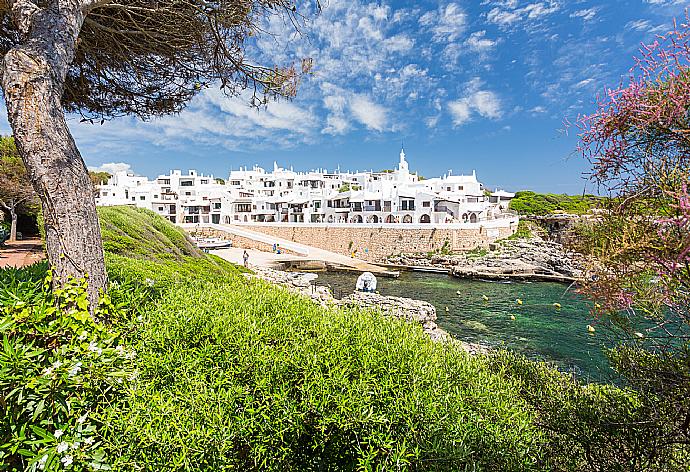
(408, 309)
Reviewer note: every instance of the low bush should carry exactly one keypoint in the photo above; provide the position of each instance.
(531, 203)
(190, 365)
(596, 427)
(240, 375)
(58, 370)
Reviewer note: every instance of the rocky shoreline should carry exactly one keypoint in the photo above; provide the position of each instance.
(410, 310)
(521, 259)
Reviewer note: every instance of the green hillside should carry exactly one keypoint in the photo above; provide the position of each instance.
(193, 366)
(531, 203)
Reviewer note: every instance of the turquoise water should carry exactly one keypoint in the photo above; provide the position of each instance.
(539, 331)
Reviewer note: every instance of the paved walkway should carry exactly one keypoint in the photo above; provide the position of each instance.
(304, 253)
(21, 253)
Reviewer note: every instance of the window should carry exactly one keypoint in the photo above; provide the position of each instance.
(186, 183)
(188, 194)
(155, 196)
(134, 199)
(142, 197)
(216, 205)
(204, 181)
(104, 194)
(426, 204)
(244, 207)
(448, 188)
(161, 208)
(407, 205)
(234, 182)
(460, 187)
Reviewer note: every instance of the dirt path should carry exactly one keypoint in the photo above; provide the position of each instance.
(21, 253)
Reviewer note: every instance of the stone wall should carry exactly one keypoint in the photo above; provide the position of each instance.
(376, 243)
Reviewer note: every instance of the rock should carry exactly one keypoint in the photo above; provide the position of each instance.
(404, 308)
(408, 309)
(532, 258)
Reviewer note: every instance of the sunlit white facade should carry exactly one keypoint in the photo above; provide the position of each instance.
(257, 196)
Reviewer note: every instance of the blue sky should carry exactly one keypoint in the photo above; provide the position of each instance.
(483, 85)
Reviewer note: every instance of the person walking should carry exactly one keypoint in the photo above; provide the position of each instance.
(245, 258)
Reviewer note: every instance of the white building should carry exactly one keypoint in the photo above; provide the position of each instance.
(256, 196)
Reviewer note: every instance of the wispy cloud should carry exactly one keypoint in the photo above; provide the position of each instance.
(484, 103)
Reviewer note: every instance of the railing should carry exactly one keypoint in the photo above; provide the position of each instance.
(372, 208)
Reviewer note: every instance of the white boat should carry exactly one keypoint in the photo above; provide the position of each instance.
(212, 243)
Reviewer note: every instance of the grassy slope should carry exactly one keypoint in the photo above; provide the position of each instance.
(531, 203)
(238, 374)
(139, 233)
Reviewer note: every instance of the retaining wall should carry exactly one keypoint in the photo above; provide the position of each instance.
(374, 243)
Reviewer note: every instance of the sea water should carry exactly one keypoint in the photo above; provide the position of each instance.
(480, 311)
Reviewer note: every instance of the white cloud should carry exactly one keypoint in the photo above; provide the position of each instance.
(336, 124)
(584, 83)
(446, 24)
(460, 111)
(502, 17)
(646, 26)
(478, 42)
(586, 14)
(370, 114)
(506, 14)
(399, 43)
(112, 167)
(485, 103)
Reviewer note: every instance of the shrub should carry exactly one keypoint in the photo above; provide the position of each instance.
(237, 374)
(58, 368)
(531, 203)
(594, 427)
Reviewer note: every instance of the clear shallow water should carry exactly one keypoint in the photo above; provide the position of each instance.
(539, 330)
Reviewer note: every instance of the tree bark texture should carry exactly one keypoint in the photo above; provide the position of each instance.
(13, 224)
(33, 78)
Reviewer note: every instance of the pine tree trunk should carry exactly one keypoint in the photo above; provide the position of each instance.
(13, 224)
(32, 80)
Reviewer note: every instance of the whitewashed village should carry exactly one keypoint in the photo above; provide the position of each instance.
(395, 197)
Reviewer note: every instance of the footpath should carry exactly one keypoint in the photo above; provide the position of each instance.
(301, 252)
(21, 253)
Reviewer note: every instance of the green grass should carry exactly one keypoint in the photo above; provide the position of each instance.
(237, 374)
(231, 373)
(524, 231)
(140, 233)
(531, 203)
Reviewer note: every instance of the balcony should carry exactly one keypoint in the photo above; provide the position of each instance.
(373, 208)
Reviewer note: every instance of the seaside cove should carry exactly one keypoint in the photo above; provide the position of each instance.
(539, 330)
